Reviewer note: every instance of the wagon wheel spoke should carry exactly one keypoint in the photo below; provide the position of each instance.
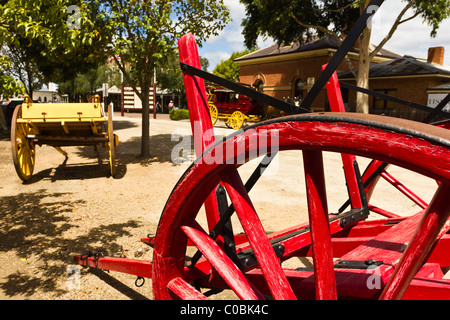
(236, 120)
(318, 218)
(220, 261)
(183, 290)
(214, 113)
(268, 261)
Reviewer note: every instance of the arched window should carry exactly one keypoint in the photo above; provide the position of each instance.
(259, 85)
(298, 87)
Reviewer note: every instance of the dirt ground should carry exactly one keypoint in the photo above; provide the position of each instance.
(70, 208)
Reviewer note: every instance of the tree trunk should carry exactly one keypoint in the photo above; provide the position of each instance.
(362, 80)
(145, 141)
(2, 121)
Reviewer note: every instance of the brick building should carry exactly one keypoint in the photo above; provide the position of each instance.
(423, 81)
(290, 71)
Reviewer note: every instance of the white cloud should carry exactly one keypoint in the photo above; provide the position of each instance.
(229, 40)
(215, 57)
(412, 37)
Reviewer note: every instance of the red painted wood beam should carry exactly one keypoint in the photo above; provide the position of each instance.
(320, 231)
(137, 267)
(424, 237)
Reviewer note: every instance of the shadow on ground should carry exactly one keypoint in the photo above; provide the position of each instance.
(38, 227)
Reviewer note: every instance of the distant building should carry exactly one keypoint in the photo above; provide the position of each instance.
(423, 81)
(48, 93)
(290, 72)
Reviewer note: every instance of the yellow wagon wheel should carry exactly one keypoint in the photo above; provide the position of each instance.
(23, 149)
(236, 120)
(213, 112)
(113, 141)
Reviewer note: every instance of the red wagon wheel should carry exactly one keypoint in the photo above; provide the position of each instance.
(420, 148)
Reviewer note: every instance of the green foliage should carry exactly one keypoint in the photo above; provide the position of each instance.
(78, 35)
(8, 85)
(40, 35)
(179, 114)
(87, 83)
(276, 19)
(433, 12)
(280, 19)
(146, 32)
(228, 69)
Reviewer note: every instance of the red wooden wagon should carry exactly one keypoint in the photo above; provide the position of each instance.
(353, 256)
(234, 108)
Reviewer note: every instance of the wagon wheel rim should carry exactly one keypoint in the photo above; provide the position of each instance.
(178, 225)
(236, 120)
(23, 149)
(213, 112)
(111, 142)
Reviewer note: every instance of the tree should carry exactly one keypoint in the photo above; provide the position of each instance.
(145, 32)
(24, 60)
(84, 84)
(228, 69)
(8, 87)
(170, 77)
(290, 20)
(50, 40)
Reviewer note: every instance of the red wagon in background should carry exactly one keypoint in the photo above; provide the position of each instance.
(234, 108)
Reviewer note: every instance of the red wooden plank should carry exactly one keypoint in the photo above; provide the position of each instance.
(387, 246)
(320, 231)
(221, 262)
(370, 228)
(342, 246)
(428, 289)
(201, 126)
(184, 290)
(430, 225)
(441, 252)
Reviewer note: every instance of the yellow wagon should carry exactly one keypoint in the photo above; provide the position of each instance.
(58, 125)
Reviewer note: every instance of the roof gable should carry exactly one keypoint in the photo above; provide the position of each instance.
(315, 43)
(403, 66)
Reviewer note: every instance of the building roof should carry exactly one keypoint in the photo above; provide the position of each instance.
(403, 66)
(441, 88)
(313, 44)
(49, 87)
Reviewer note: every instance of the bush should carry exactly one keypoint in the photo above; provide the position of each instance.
(179, 114)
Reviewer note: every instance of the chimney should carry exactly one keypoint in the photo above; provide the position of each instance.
(436, 55)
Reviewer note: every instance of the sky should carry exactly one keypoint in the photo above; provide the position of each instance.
(411, 38)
